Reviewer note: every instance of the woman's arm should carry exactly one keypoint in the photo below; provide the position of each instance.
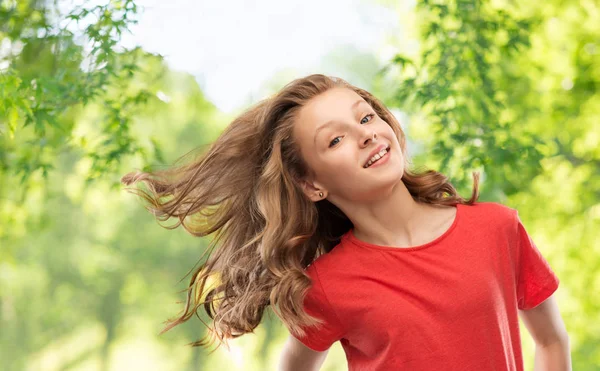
(553, 357)
(297, 357)
(552, 347)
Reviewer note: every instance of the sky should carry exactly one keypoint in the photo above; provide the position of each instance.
(233, 47)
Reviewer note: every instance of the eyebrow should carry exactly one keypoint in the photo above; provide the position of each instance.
(353, 107)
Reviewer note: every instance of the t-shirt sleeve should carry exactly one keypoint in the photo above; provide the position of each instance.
(316, 304)
(535, 279)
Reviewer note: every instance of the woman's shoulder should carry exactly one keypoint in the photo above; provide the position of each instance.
(326, 264)
(490, 213)
(492, 208)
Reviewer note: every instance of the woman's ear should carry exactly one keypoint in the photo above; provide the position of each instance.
(312, 190)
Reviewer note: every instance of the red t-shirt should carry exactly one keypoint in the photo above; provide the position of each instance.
(448, 304)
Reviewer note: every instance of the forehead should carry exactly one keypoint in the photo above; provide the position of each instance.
(334, 104)
(330, 104)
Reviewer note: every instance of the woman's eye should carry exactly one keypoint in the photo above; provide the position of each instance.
(331, 144)
(371, 115)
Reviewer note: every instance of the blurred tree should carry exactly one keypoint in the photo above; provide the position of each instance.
(47, 80)
(66, 118)
(48, 77)
(90, 266)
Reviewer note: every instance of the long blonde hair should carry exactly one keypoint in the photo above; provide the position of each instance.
(246, 188)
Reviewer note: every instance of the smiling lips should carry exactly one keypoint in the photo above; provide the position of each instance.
(376, 157)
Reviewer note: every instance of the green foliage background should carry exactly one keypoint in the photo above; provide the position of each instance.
(87, 275)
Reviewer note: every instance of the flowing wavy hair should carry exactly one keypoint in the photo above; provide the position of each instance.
(246, 188)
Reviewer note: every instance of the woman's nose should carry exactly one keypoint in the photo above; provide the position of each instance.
(372, 136)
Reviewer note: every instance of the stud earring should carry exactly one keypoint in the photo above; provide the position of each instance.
(320, 194)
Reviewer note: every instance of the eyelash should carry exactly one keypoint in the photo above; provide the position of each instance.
(369, 115)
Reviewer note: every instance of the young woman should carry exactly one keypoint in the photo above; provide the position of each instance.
(319, 217)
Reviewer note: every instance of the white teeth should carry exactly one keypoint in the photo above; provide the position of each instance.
(376, 157)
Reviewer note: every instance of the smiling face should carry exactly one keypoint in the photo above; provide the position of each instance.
(337, 131)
